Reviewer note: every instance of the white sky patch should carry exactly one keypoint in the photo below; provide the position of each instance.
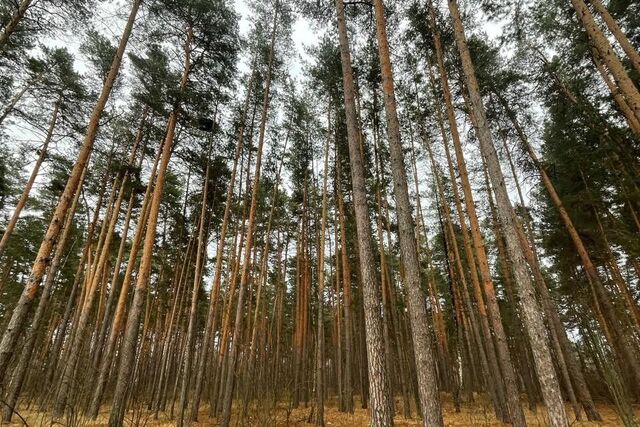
(303, 36)
(243, 10)
(493, 29)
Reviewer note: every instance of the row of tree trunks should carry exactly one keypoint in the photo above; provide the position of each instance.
(529, 306)
(619, 342)
(211, 324)
(197, 280)
(95, 277)
(130, 338)
(500, 385)
(20, 371)
(459, 330)
(19, 316)
(119, 313)
(230, 374)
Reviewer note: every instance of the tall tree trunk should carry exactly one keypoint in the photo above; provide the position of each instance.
(425, 363)
(337, 306)
(320, 376)
(381, 405)
(346, 292)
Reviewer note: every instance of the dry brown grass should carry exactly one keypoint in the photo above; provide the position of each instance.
(478, 413)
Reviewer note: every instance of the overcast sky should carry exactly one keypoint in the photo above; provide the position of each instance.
(302, 36)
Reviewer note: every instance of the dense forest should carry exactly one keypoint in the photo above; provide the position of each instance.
(428, 214)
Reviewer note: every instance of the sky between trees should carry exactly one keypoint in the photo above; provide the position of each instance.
(227, 210)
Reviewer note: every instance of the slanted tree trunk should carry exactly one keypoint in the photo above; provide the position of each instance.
(621, 102)
(13, 23)
(608, 56)
(617, 32)
(541, 285)
(14, 101)
(507, 373)
(34, 174)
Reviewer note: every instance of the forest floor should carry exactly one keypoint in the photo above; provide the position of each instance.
(478, 413)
